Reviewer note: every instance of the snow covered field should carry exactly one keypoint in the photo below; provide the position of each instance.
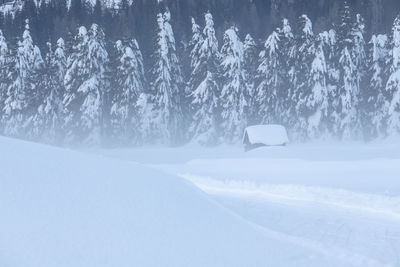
(340, 197)
(300, 205)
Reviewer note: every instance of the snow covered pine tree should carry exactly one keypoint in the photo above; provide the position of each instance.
(85, 85)
(269, 76)
(205, 88)
(302, 94)
(250, 57)
(5, 70)
(45, 121)
(393, 84)
(129, 85)
(167, 85)
(374, 113)
(235, 94)
(21, 93)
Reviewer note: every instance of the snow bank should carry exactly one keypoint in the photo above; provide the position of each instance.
(63, 208)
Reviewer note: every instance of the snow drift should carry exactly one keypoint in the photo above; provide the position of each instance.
(63, 208)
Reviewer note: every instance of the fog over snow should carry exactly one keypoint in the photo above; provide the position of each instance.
(199, 133)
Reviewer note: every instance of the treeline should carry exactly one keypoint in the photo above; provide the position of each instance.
(328, 85)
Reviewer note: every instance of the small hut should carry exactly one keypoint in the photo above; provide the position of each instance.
(264, 135)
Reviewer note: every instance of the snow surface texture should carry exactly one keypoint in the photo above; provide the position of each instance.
(271, 135)
(340, 197)
(64, 208)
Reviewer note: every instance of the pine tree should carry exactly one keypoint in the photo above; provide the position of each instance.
(344, 27)
(250, 57)
(145, 110)
(22, 93)
(317, 100)
(129, 84)
(269, 76)
(46, 121)
(302, 92)
(39, 78)
(76, 72)
(346, 98)
(359, 58)
(60, 62)
(5, 70)
(33, 87)
(53, 101)
(329, 42)
(14, 102)
(85, 84)
(358, 48)
(52, 107)
(205, 92)
(393, 84)
(167, 84)
(194, 79)
(34, 92)
(195, 46)
(53, 104)
(288, 61)
(374, 116)
(235, 94)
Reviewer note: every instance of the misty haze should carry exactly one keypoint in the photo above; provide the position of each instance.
(199, 133)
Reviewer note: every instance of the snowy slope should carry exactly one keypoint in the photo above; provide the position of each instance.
(341, 197)
(63, 208)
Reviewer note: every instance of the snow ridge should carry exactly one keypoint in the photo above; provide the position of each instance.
(386, 206)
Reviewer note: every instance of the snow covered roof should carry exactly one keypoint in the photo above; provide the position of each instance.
(270, 135)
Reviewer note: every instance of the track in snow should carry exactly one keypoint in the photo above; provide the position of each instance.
(336, 220)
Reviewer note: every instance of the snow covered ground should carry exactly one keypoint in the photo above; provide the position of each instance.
(301, 205)
(344, 198)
